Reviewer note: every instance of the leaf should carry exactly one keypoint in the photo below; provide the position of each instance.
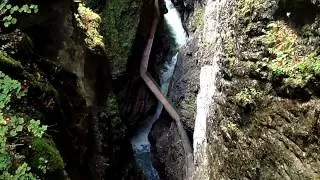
(24, 8)
(2, 5)
(36, 10)
(5, 18)
(14, 20)
(16, 8)
(8, 17)
(19, 128)
(3, 131)
(8, 6)
(3, 11)
(20, 120)
(21, 10)
(6, 24)
(13, 133)
(12, 11)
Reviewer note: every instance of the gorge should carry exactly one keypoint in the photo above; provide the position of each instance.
(83, 83)
(139, 141)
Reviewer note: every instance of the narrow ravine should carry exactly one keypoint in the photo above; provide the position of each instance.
(139, 141)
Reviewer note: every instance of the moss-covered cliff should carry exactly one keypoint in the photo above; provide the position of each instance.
(121, 20)
(262, 120)
(80, 62)
(266, 126)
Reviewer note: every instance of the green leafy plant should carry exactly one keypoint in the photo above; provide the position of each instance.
(15, 133)
(8, 11)
(246, 7)
(247, 96)
(43, 165)
(289, 61)
(23, 172)
(35, 128)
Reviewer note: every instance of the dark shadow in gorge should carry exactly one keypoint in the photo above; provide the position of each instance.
(297, 12)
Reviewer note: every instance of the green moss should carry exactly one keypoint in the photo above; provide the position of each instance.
(245, 8)
(7, 61)
(45, 87)
(45, 149)
(113, 114)
(247, 96)
(198, 15)
(112, 105)
(90, 22)
(230, 52)
(121, 19)
(191, 104)
(289, 61)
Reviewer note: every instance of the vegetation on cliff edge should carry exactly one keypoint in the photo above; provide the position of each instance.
(120, 19)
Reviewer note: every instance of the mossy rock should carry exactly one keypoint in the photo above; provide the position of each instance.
(45, 148)
(285, 52)
(121, 19)
(113, 114)
(198, 18)
(7, 61)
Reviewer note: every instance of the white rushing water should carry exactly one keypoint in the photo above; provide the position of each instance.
(174, 21)
(139, 141)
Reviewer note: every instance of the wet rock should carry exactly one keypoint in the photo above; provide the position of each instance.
(164, 135)
(168, 158)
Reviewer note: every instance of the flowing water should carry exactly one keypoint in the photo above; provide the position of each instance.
(139, 141)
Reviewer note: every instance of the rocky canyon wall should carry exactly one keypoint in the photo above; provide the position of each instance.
(81, 62)
(262, 118)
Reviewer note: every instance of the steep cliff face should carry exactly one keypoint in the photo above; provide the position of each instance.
(168, 149)
(83, 73)
(253, 67)
(68, 55)
(265, 126)
(246, 86)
